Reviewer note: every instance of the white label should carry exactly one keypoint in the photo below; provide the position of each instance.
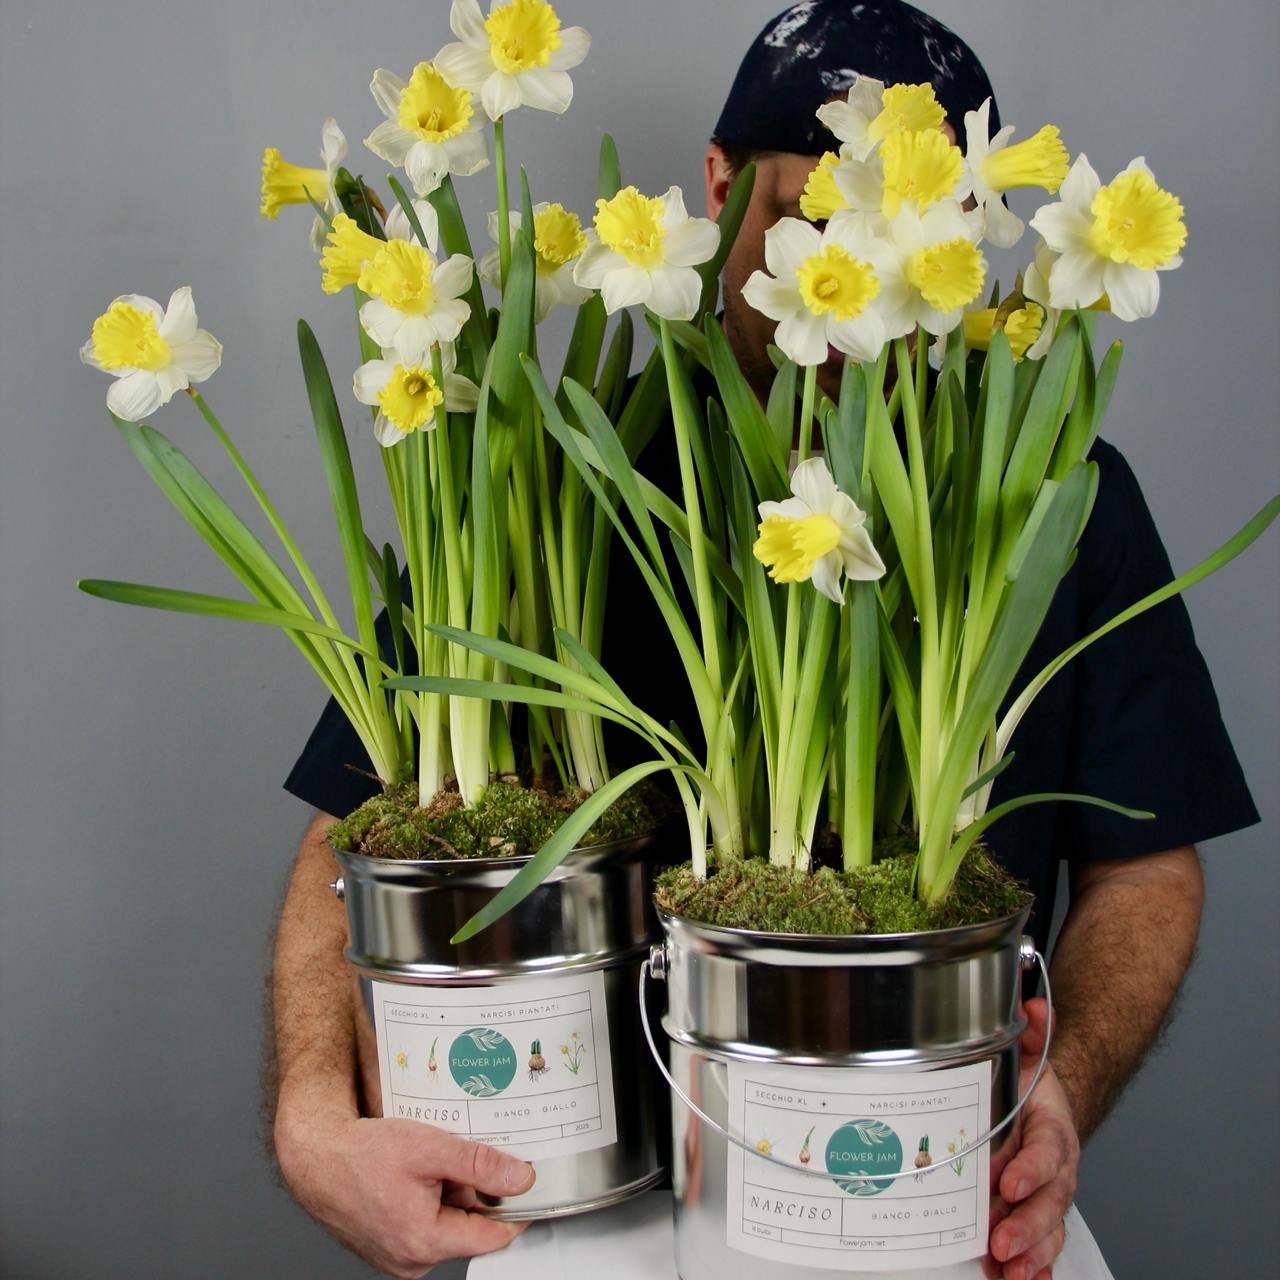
(522, 1065)
(852, 1124)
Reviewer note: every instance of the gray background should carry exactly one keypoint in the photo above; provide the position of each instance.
(146, 838)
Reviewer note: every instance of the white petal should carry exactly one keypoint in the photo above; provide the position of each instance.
(862, 338)
(391, 142)
(369, 379)
(861, 184)
(179, 321)
(199, 356)
(575, 44)
(625, 287)
(398, 227)
(1080, 185)
(387, 89)
(468, 153)
(386, 433)
(811, 481)
(597, 262)
(1004, 228)
(461, 395)
(691, 243)
(135, 396)
(1076, 279)
(787, 244)
(790, 508)
(861, 560)
(448, 358)
(467, 23)
(803, 337)
(545, 90)
(1064, 228)
(676, 292)
(413, 339)
(489, 268)
(425, 166)
(776, 299)
(380, 321)
(464, 66)
(141, 302)
(499, 94)
(826, 576)
(333, 144)
(1139, 165)
(514, 218)
(946, 220)
(452, 278)
(674, 214)
(89, 357)
(1134, 293)
(447, 319)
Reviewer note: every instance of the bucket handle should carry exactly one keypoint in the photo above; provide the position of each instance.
(656, 963)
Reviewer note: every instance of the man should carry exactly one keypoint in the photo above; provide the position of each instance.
(1114, 724)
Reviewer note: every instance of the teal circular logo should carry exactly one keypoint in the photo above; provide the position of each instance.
(858, 1151)
(482, 1062)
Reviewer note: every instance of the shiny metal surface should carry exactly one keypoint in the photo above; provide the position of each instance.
(894, 1001)
(594, 913)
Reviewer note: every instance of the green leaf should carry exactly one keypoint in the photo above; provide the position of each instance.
(766, 464)
(609, 181)
(989, 775)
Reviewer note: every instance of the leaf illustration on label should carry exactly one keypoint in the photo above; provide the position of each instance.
(479, 1087)
(872, 1132)
(486, 1039)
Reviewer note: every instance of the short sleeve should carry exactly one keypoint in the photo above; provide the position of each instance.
(1146, 729)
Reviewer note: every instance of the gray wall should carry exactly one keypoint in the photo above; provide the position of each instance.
(145, 834)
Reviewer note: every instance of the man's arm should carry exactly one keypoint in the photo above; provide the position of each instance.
(377, 1185)
(1125, 945)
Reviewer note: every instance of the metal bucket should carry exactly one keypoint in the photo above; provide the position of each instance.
(535, 1045)
(821, 1145)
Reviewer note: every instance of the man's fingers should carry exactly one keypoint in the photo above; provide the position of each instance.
(1036, 1011)
(1039, 1259)
(475, 1165)
(1030, 1226)
(467, 1235)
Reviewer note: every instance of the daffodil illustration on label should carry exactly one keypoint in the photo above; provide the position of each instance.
(482, 1062)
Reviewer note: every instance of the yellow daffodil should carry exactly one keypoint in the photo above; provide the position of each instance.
(647, 252)
(822, 288)
(817, 535)
(871, 112)
(284, 183)
(822, 195)
(153, 352)
(996, 165)
(414, 302)
(519, 56)
(559, 240)
(1022, 326)
(408, 395)
(430, 128)
(348, 249)
(1111, 240)
(938, 269)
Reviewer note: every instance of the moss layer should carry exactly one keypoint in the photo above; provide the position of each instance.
(754, 894)
(509, 821)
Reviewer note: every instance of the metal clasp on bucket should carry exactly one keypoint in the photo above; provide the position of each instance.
(656, 967)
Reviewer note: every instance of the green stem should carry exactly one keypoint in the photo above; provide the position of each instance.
(504, 207)
(806, 412)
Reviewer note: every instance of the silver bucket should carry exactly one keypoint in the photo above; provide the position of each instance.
(560, 969)
(799, 1108)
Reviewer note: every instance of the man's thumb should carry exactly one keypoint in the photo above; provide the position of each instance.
(492, 1172)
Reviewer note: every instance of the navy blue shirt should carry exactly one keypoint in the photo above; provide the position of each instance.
(1134, 719)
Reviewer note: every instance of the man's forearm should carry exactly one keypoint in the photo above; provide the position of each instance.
(1125, 945)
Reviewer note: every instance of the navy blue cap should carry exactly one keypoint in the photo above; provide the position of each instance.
(815, 50)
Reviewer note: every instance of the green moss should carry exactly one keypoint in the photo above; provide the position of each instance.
(754, 894)
(509, 821)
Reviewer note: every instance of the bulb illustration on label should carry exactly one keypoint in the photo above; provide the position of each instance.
(537, 1063)
(431, 1061)
(805, 1157)
(924, 1159)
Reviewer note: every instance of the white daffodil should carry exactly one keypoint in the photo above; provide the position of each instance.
(398, 227)
(348, 249)
(408, 395)
(284, 183)
(429, 129)
(996, 166)
(153, 351)
(937, 268)
(519, 56)
(1111, 240)
(871, 112)
(558, 243)
(647, 253)
(823, 287)
(414, 302)
(1035, 288)
(818, 535)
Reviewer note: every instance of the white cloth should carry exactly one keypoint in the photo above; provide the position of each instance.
(635, 1241)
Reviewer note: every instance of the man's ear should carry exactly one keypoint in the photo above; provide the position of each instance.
(719, 178)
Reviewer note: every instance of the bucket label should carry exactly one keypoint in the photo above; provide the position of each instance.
(520, 1065)
(837, 1129)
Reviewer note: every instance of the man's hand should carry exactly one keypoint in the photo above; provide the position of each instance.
(1034, 1176)
(396, 1191)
